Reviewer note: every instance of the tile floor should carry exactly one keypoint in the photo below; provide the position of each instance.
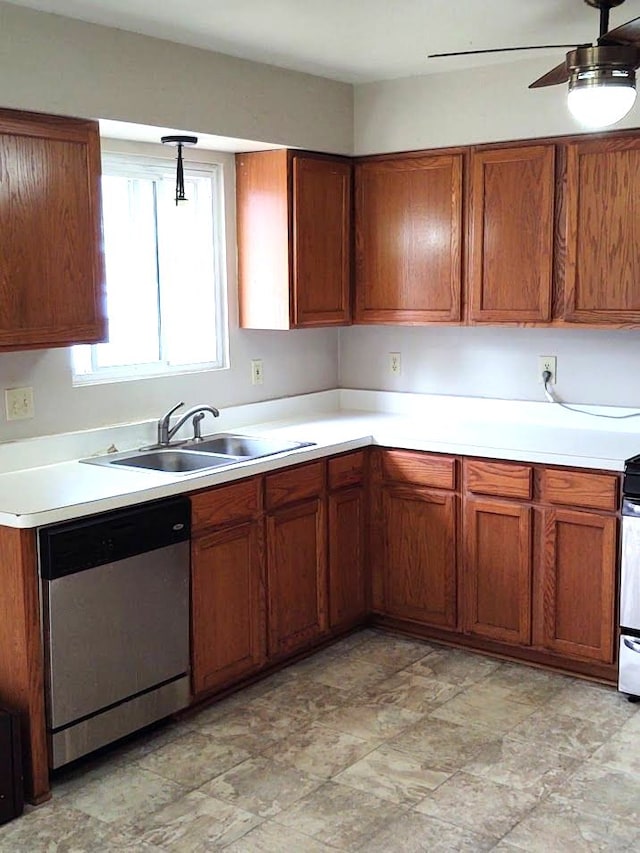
(377, 744)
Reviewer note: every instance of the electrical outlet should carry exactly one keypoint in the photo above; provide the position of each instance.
(395, 364)
(18, 403)
(547, 362)
(256, 371)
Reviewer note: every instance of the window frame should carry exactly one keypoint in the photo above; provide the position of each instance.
(127, 163)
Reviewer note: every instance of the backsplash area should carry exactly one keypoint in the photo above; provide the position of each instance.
(594, 366)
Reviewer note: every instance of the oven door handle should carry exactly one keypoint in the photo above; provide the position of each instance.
(634, 645)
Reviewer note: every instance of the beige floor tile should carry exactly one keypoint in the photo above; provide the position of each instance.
(193, 759)
(479, 805)
(603, 792)
(415, 833)
(56, 827)
(622, 751)
(392, 775)
(484, 705)
(304, 699)
(319, 751)
(370, 722)
(348, 673)
(123, 794)
(443, 745)
(412, 692)
(573, 735)
(552, 827)
(593, 702)
(252, 728)
(261, 786)
(339, 816)
(195, 824)
(528, 766)
(527, 684)
(390, 651)
(272, 838)
(459, 668)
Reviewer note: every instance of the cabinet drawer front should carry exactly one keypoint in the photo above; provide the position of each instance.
(498, 478)
(423, 469)
(580, 489)
(227, 504)
(289, 486)
(346, 470)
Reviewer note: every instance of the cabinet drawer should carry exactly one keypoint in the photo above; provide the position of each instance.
(295, 484)
(227, 504)
(580, 489)
(346, 470)
(498, 478)
(422, 469)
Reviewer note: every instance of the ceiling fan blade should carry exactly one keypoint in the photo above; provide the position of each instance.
(628, 33)
(559, 74)
(499, 50)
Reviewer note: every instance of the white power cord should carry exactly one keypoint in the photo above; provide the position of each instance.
(550, 394)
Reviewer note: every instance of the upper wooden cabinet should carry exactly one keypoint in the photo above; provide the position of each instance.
(294, 239)
(51, 262)
(409, 239)
(511, 234)
(602, 219)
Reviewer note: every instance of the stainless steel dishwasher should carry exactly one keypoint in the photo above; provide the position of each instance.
(115, 595)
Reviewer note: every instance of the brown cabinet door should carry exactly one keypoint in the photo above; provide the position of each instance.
(578, 583)
(602, 262)
(409, 239)
(419, 568)
(51, 264)
(497, 570)
(511, 249)
(228, 609)
(321, 241)
(347, 600)
(296, 576)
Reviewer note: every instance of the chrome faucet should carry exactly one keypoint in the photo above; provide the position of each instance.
(166, 433)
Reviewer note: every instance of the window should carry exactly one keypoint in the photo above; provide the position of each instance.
(165, 286)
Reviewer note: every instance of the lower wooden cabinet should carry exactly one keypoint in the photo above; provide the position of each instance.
(497, 575)
(414, 535)
(228, 605)
(296, 576)
(578, 583)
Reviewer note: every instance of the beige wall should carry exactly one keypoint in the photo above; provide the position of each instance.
(463, 107)
(53, 64)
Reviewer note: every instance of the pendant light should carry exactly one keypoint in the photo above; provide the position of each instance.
(179, 142)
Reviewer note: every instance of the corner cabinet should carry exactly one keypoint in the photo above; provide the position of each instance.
(51, 261)
(294, 239)
(414, 537)
(511, 212)
(408, 215)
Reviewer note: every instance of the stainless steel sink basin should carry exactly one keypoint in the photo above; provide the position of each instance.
(212, 452)
(170, 460)
(245, 446)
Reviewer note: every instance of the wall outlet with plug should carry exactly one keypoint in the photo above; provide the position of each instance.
(547, 362)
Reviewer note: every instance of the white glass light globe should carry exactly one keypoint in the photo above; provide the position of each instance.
(600, 106)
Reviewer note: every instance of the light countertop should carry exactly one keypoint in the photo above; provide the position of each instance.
(532, 432)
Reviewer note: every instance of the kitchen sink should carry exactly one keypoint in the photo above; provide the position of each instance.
(173, 461)
(245, 446)
(211, 452)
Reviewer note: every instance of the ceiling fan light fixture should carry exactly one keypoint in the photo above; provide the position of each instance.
(599, 97)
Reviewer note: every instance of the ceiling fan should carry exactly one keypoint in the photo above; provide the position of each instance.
(601, 76)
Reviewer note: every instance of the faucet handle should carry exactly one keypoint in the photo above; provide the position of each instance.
(163, 425)
(171, 411)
